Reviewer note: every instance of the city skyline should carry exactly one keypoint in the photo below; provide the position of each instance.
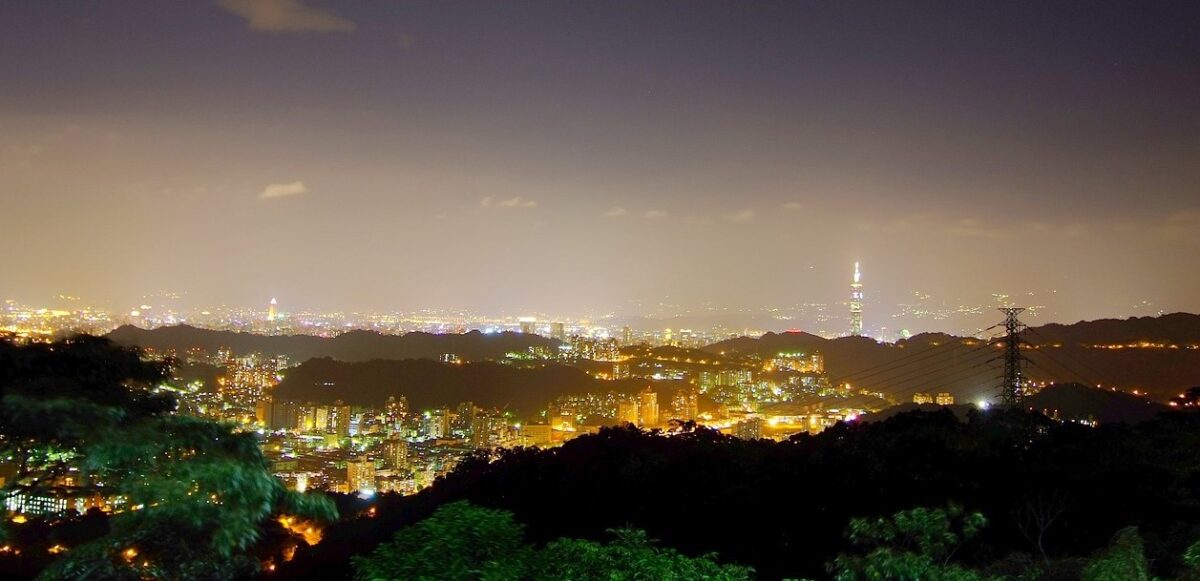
(556, 158)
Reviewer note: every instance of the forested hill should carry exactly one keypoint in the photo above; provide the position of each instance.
(1155, 355)
(350, 346)
(429, 383)
(782, 507)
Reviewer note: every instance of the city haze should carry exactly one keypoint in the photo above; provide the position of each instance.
(577, 160)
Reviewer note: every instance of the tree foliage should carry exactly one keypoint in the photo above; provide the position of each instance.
(911, 545)
(464, 541)
(459, 541)
(632, 555)
(1123, 560)
(696, 491)
(193, 493)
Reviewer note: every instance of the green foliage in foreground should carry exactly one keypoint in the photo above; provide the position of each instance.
(911, 545)
(463, 541)
(459, 541)
(195, 492)
(1124, 560)
(919, 545)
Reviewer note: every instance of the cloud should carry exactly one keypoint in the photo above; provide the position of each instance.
(286, 16)
(974, 228)
(616, 212)
(740, 216)
(651, 214)
(517, 202)
(792, 206)
(283, 190)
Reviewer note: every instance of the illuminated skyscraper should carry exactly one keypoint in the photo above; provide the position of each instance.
(528, 325)
(627, 411)
(856, 304)
(360, 475)
(272, 309)
(341, 419)
(648, 408)
(396, 450)
(686, 403)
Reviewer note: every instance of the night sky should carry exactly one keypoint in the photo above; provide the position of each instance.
(587, 157)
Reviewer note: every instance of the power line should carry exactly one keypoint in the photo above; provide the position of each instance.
(1090, 369)
(954, 376)
(972, 356)
(894, 364)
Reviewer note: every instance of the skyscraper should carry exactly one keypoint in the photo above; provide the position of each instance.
(627, 411)
(856, 304)
(396, 450)
(528, 325)
(360, 475)
(272, 309)
(648, 408)
(686, 403)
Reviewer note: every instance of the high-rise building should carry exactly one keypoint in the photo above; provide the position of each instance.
(648, 408)
(856, 304)
(277, 415)
(627, 411)
(437, 423)
(262, 411)
(749, 429)
(536, 435)
(528, 325)
(394, 412)
(360, 475)
(685, 404)
(396, 449)
(626, 336)
(922, 398)
(944, 398)
(341, 419)
(483, 428)
(558, 331)
(818, 362)
(272, 309)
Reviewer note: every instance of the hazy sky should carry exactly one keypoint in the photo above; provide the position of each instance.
(573, 157)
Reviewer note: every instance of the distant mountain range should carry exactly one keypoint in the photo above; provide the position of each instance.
(1154, 355)
(349, 346)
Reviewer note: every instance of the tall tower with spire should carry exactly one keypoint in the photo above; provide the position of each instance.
(856, 304)
(272, 310)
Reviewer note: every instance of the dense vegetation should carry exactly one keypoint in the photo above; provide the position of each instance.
(463, 541)
(86, 416)
(921, 495)
(1052, 496)
(428, 384)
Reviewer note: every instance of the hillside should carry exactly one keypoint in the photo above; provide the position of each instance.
(429, 384)
(1156, 355)
(782, 507)
(350, 346)
(1071, 401)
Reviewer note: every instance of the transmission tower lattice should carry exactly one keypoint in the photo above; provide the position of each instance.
(1013, 389)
